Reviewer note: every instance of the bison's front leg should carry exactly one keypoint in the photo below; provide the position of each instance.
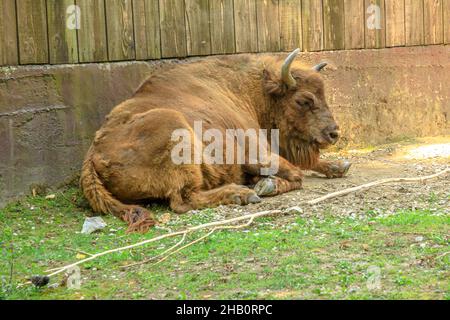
(287, 178)
(331, 170)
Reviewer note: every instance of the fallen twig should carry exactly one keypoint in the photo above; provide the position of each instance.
(206, 236)
(376, 183)
(179, 243)
(442, 255)
(226, 224)
(164, 236)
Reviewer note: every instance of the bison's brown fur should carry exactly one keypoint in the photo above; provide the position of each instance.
(130, 158)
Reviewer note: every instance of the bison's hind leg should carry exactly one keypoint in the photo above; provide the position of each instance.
(228, 194)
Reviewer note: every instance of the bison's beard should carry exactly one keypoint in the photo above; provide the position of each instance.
(303, 154)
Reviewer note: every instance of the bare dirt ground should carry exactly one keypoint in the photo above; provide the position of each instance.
(420, 157)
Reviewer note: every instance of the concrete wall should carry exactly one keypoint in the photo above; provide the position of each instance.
(48, 115)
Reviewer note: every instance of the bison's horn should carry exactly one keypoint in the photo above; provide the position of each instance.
(320, 66)
(286, 75)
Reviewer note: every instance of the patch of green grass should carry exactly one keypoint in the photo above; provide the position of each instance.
(307, 258)
(421, 220)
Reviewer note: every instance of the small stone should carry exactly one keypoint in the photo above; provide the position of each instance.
(419, 239)
(93, 224)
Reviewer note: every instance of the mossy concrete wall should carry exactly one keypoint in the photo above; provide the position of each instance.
(48, 115)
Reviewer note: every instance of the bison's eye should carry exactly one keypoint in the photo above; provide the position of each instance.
(306, 104)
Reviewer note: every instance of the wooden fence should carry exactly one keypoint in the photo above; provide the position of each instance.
(56, 32)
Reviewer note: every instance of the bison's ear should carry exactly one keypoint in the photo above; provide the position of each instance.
(272, 84)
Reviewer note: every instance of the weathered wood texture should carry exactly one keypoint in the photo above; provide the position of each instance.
(62, 31)
(92, 43)
(333, 14)
(222, 26)
(290, 25)
(434, 32)
(354, 24)
(446, 16)
(414, 22)
(197, 27)
(312, 20)
(119, 24)
(267, 15)
(79, 31)
(146, 29)
(375, 24)
(9, 54)
(32, 27)
(173, 30)
(395, 23)
(245, 25)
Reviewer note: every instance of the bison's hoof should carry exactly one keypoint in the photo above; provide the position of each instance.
(254, 199)
(339, 170)
(244, 196)
(246, 199)
(266, 186)
(346, 165)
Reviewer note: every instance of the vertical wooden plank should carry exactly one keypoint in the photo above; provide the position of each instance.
(197, 27)
(62, 39)
(222, 26)
(290, 25)
(33, 41)
(333, 15)
(395, 23)
(245, 25)
(119, 24)
(92, 44)
(375, 24)
(173, 30)
(9, 54)
(268, 20)
(414, 22)
(446, 22)
(354, 24)
(433, 23)
(312, 20)
(153, 29)
(146, 29)
(140, 30)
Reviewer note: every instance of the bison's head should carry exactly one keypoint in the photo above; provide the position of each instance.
(298, 106)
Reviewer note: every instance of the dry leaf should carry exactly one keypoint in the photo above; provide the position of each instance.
(345, 245)
(365, 247)
(50, 196)
(80, 256)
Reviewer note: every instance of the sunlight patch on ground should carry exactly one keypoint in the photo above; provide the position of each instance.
(429, 151)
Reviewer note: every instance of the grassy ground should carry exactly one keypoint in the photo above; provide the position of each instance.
(327, 258)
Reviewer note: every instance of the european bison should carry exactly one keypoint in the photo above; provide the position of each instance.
(131, 158)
